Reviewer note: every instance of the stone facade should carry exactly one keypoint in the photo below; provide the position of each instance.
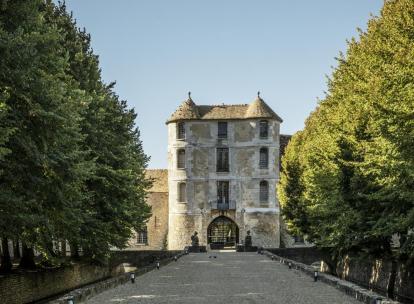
(193, 131)
(157, 226)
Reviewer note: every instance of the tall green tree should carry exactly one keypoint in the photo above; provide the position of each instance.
(117, 187)
(357, 154)
(71, 161)
(43, 166)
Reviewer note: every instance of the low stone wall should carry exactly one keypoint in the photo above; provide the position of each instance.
(356, 291)
(33, 286)
(404, 283)
(306, 255)
(140, 258)
(395, 279)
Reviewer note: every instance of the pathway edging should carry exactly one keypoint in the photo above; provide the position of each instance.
(361, 294)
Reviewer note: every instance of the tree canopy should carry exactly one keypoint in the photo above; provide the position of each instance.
(348, 177)
(71, 160)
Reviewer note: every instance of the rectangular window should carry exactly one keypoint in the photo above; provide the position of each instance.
(222, 192)
(222, 159)
(264, 129)
(182, 192)
(142, 236)
(180, 130)
(264, 192)
(222, 129)
(264, 158)
(181, 159)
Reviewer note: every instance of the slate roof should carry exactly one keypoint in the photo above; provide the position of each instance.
(188, 110)
(260, 109)
(160, 179)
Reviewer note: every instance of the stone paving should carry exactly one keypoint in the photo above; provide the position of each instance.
(230, 278)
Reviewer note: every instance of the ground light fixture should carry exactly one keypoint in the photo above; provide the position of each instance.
(273, 257)
(290, 265)
(175, 258)
(158, 265)
(378, 301)
(315, 276)
(69, 300)
(132, 277)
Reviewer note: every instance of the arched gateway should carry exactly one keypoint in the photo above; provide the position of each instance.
(222, 232)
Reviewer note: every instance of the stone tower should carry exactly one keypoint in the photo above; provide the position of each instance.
(223, 167)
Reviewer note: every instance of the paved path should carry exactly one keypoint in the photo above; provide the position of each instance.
(231, 278)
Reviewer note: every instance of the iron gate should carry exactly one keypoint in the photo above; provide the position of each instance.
(223, 232)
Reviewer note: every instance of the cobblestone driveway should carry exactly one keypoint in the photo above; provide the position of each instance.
(231, 278)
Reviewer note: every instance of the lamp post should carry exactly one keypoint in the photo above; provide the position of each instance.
(132, 277)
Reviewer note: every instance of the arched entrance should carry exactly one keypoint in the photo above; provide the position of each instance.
(222, 232)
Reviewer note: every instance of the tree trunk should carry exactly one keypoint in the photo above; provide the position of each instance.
(6, 263)
(63, 247)
(16, 248)
(391, 280)
(27, 260)
(74, 250)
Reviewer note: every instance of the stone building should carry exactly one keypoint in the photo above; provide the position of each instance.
(223, 167)
(154, 235)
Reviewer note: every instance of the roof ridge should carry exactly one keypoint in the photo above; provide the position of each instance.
(224, 105)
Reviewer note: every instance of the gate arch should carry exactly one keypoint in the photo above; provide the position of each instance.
(222, 232)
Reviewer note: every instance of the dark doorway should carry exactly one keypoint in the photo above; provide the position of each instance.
(222, 232)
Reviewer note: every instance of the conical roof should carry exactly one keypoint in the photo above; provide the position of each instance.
(259, 109)
(187, 110)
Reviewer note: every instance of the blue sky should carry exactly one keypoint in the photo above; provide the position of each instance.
(223, 51)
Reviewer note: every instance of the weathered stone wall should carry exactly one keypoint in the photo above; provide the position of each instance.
(139, 258)
(32, 286)
(157, 225)
(404, 283)
(27, 287)
(244, 179)
(378, 274)
(305, 255)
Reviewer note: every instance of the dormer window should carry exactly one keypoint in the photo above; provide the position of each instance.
(264, 129)
(180, 130)
(222, 129)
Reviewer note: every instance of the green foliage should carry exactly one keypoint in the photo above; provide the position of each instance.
(348, 179)
(71, 161)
